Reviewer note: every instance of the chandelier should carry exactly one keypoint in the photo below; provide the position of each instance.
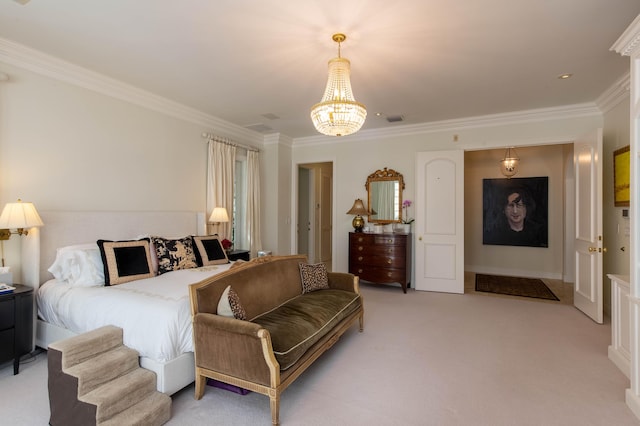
(338, 114)
(509, 164)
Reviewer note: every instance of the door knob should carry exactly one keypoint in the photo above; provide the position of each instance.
(420, 238)
(603, 250)
(592, 249)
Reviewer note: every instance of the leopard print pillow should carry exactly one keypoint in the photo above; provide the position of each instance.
(314, 277)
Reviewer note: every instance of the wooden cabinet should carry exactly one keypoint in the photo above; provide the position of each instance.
(16, 324)
(381, 258)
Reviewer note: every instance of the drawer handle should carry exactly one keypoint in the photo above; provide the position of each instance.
(390, 250)
(360, 258)
(359, 271)
(389, 274)
(389, 261)
(360, 239)
(360, 248)
(389, 240)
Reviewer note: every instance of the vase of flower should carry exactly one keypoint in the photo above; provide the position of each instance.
(406, 220)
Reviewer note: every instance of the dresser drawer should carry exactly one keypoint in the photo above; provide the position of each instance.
(7, 314)
(379, 274)
(8, 344)
(380, 260)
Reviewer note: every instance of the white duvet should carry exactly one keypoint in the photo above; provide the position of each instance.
(154, 313)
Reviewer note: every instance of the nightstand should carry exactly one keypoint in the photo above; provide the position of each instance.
(238, 255)
(16, 324)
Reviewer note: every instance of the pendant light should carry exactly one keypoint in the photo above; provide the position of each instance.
(338, 113)
(509, 164)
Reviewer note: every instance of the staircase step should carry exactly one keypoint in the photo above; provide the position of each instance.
(79, 348)
(154, 410)
(102, 368)
(121, 393)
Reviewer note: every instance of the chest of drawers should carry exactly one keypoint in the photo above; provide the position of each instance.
(16, 325)
(381, 258)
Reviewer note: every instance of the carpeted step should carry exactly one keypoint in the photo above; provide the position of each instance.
(103, 368)
(154, 410)
(87, 345)
(121, 393)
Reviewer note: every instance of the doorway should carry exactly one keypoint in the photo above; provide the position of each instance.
(314, 226)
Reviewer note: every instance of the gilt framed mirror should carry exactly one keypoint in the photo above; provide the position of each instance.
(384, 189)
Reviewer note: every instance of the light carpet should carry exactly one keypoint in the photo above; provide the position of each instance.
(423, 359)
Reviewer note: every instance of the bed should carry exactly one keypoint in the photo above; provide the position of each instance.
(154, 312)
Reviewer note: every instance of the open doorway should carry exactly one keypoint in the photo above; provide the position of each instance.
(315, 220)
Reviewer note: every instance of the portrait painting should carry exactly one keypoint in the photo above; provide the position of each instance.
(515, 212)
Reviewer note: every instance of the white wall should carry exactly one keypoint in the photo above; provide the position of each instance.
(64, 147)
(616, 260)
(359, 155)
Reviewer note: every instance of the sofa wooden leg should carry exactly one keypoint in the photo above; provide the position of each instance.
(274, 399)
(200, 382)
(361, 322)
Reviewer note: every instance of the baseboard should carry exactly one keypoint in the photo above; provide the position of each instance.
(619, 360)
(513, 272)
(633, 402)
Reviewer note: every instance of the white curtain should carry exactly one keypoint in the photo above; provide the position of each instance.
(252, 221)
(221, 167)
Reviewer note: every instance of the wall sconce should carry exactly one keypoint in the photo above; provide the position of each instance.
(19, 216)
(218, 216)
(358, 209)
(509, 164)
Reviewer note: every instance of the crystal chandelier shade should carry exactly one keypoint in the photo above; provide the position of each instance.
(338, 113)
(509, 164)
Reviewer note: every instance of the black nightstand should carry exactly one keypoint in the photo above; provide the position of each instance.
(16, 324)
(238, 255)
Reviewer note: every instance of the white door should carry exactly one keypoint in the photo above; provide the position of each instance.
(587, 159)
(439, 225)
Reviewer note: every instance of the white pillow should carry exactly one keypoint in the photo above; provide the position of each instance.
(224, 307)
(79, 265)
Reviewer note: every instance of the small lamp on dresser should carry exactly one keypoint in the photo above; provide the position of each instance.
(359, 210)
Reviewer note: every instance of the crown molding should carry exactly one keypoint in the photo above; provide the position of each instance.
(617, 93)
(629, 41)
(494, 120)
(40, 63)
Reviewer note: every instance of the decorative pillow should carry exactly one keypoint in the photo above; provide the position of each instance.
(209, 251)
(224, 308)
(79, 265)
(314, 277)
(174, 254)
(229, 305)
(125, 261)
(236, 306)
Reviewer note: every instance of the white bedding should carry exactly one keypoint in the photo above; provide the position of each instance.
(154, 313)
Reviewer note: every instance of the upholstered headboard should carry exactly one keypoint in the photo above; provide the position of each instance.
(63, 228)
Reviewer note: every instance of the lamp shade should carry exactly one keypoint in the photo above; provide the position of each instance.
(509, 164)
(219, 215)
(20, 216)
(358, 208)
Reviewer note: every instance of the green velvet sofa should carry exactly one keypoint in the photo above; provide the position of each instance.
(285, 328)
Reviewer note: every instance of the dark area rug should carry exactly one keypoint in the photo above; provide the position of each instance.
(514, 286)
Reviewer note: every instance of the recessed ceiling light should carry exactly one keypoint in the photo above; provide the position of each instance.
(565, 76)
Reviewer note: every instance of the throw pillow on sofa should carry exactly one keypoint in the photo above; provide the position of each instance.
(313, 277)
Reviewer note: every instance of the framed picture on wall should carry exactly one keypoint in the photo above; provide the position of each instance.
(515, 212)
(621, 176)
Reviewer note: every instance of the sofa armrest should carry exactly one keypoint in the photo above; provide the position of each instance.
(343, 281)
(234, 347)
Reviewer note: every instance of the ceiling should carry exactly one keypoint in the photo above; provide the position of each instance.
(264, 63)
